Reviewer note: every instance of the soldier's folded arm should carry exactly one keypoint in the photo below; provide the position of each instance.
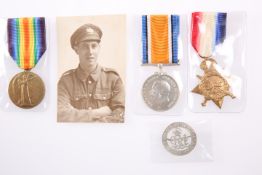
(100, 112)
(67, 113)
(112, 111)
(117, 102)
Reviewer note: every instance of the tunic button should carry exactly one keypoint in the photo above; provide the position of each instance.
(89, 82)
(89, 108)
(104, 97)
(90, 95)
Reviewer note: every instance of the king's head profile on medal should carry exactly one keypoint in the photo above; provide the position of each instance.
(90, 92)
(160, 48)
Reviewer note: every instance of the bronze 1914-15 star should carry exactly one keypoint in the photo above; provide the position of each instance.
(212, 85)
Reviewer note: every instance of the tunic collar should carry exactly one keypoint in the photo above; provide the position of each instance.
(83, 76)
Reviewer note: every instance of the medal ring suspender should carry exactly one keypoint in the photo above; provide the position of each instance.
(26, 46)
(160, 48)
(208, 31)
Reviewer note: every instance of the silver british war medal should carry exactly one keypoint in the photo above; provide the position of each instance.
(160, 48)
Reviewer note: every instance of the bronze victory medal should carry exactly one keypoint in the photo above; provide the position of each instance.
(26, 47)
(179, 138)
(26, 90)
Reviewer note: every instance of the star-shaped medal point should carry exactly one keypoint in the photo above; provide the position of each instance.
(212, 85)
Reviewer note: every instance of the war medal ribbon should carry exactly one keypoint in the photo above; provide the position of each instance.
(160, 48)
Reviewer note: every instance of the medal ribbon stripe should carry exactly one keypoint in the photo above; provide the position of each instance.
(144, 39)
(221, 28)
(159, 39)
(207, 35)
(196, 20)
(175, 33)
(208, 30)
(26, 41)
(156, 38)
(25, 35)
(40, 38)
(13, 36)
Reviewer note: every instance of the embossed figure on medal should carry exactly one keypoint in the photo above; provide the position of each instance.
(160, 91)
(26, 45)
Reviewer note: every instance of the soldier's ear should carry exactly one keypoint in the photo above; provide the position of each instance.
(76, 49)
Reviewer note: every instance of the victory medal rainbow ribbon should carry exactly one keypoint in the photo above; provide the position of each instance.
(26, 40)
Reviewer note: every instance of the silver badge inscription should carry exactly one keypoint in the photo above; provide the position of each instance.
(179, 138)
(160, 92)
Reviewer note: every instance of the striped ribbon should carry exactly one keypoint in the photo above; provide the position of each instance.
(208, 30)
(160, 39)
(26, 40)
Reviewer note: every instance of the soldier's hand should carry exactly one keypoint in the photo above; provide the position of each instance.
(83, 116)
(100, 112)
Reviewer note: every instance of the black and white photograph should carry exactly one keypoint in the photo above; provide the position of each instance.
(91, 69)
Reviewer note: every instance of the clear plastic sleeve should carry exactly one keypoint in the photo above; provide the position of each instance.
(201, 152)
(230, 64)
(9, 69)
(142, 73)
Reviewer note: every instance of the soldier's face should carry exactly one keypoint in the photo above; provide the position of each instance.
(88, 52)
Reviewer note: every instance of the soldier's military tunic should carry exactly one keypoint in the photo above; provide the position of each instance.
(77, 91)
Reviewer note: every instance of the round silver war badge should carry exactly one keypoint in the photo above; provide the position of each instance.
(179, 138)
(160, 92)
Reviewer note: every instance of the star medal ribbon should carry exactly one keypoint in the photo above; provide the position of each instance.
(26, 46)
(208, 31)
(160, 47)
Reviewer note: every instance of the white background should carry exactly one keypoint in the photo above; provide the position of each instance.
(34, 144)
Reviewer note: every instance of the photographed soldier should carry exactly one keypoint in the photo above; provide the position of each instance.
(90, 93)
